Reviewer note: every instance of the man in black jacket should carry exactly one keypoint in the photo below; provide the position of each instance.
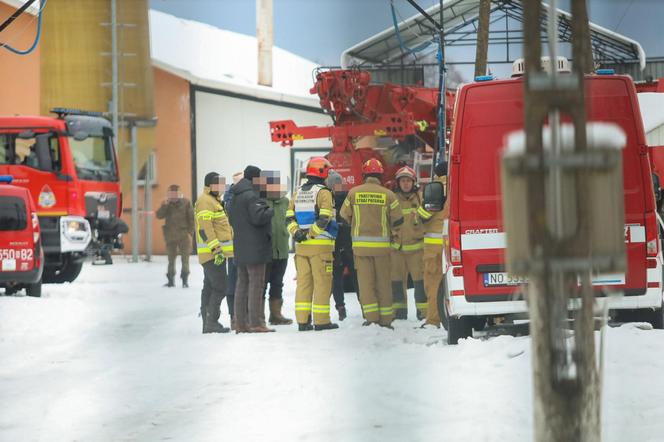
(251, 219)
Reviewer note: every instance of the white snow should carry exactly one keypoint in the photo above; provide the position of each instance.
(116, 357)
(209, 53)
(652, 109)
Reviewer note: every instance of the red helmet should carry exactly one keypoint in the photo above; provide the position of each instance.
(372, 166)
(406, 172)
(318, 166)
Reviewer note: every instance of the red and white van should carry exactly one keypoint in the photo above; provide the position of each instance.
(21, 253)
(476, 286)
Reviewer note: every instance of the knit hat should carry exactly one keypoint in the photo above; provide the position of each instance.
(211, 178)
(251, 172)
(174, 187)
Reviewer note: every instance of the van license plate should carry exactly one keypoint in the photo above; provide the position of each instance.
(8, 265)
(102, 213)
(502, 279)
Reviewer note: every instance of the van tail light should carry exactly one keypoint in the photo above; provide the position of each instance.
(35, 228)
(652, 234)
(455, 242)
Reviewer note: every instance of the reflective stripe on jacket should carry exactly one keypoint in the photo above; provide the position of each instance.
(375, 217)
(212, 228)
(312, 209)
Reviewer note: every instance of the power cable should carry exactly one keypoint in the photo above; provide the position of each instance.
(37, 37)
(624, 14)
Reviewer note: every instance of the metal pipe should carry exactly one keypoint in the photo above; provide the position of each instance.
(264, 38)
(114, 68)
(134, 194)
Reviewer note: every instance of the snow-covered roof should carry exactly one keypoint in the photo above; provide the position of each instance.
(652, 110)
(217, 58)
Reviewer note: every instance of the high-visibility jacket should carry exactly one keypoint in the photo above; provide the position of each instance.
(312, 209)
(213, 231)
(433, 227)
(375, 217)
(412, 230)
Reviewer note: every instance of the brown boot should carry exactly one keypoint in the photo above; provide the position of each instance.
(276, 318)
(260, 329)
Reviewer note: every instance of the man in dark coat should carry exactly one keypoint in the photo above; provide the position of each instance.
(251, 219)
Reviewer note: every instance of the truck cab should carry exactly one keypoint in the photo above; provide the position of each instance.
(476, 287)
(69, 165)
(21, 252)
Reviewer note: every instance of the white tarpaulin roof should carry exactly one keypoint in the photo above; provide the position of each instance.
(459, 15)
(205, 54)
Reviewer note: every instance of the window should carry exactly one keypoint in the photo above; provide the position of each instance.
(13, 215)
(94, 158)
(21, 151)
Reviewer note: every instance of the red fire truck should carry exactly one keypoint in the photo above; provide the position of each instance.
(69, 165)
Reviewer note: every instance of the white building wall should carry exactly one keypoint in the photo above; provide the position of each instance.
(656, 136)
(233, 132)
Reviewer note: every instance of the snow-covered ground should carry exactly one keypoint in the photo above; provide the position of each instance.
(117, 357)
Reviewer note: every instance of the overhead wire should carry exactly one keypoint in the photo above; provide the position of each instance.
(8, 47)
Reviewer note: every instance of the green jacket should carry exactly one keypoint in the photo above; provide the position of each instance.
(280, 236)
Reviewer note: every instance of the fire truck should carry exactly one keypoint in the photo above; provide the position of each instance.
(69, 165)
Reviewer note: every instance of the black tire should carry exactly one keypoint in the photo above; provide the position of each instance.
(34, 290)
(442, 311)
(459, 328)
(68, 273)
(479, 323)
(657, 320)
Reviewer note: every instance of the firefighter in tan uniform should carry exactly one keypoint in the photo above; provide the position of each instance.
(214, 241)
(312, 222)
(433, 250)
(407, 255)
(374, 214)
(178, 228)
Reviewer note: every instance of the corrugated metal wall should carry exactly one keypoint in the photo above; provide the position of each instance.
(654, 69)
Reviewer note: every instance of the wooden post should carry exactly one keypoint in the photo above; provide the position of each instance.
(481, 53)
(566, 389)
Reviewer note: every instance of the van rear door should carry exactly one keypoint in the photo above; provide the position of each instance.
(16, 245)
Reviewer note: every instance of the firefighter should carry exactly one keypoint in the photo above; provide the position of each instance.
(407, 256)
(374, 215)
(311, 222)
(214, 239)
(433, 250)
(178, 228)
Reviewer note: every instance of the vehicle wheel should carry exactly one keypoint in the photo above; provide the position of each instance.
(34, 290)
(657, 320)
(479, 323)
(442, 312)
(459, 328)
(68, 273)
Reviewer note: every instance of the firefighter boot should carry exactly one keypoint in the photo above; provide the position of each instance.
(276, 318)
(185, 280)
(328, 326)
(400, 304)
(171, 281)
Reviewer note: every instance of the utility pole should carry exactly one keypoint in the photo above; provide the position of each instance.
(264, 37)
(550, 193)
(481, 53)
(115, 94)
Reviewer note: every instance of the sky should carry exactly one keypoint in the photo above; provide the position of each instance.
(321, 29)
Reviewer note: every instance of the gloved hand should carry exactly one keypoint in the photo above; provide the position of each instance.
(216, 250)
(218, 259)
(300, 235)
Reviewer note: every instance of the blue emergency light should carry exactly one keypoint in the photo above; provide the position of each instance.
(484, 78)
(6, 179)
(605, 71)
